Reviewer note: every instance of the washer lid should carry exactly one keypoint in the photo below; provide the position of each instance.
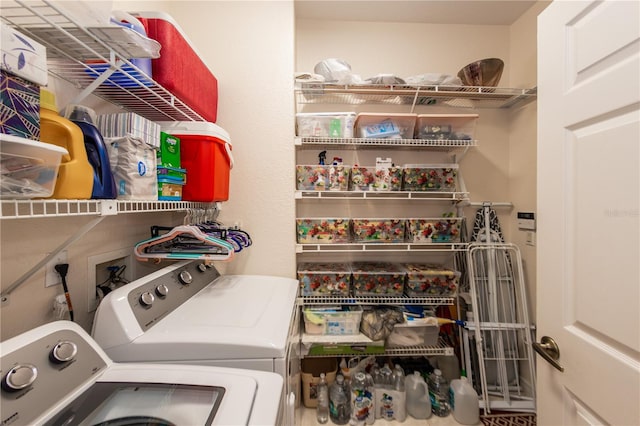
(235, 317)
(121, 404)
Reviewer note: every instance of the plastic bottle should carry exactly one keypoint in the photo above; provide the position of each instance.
(75, 175)
(400, 405)
(418, 401)
(361, 399)
(464, 402)
(439, 394)
(103, 183)
(322, 409)
(339, 407)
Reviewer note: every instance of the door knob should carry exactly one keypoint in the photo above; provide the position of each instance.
(548, 349)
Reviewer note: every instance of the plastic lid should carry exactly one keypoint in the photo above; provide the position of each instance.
(76, 112)
(437, 372)
(48, 100)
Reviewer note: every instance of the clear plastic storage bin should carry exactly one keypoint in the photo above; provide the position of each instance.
(333, 320)
(430, 177)
(446, 126)
(369, 178)
(377, 279)
(381, 125)
(322, 177)
(322, 230)
(327, 125)
(28, 168)
(413, 333)
(434, 230)
(378, 230)
(431, 280)
(324, 279)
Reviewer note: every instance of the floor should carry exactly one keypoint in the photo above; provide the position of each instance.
(307, 417)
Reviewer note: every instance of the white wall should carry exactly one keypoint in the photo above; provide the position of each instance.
(249, 47)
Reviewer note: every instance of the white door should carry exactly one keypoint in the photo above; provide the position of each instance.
(588, 290)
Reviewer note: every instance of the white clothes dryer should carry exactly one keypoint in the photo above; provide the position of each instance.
(57, 374)
(188, 313)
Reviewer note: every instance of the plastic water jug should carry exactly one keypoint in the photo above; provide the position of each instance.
(103, 183)
(75, 175)
(418, 401)
(464, 402)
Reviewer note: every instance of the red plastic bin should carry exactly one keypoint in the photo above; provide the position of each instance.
(179, 68)
(205, 151)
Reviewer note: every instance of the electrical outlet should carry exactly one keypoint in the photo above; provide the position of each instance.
(51, 276)
(98, 272)
(530, 238)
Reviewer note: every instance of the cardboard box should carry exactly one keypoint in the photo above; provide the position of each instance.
(311, 368)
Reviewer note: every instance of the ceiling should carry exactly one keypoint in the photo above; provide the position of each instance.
(473, 12)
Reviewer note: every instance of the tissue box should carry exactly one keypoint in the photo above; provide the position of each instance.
(325, 125)
(322, 231)
(128, 123)
(380, 125)
(446, 126)
(378, 230)
(23, 56)
(333, 321)
(434, 230)
(20, 108)
(431, 280)
(377, 279)
(372, 179)
(324, 279)
(430, 177)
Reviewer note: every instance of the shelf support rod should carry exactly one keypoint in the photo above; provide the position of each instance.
(78, 234)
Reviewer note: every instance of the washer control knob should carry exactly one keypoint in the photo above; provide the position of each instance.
(202, 267)
(64, 351)
(185, 277)
(146, 299)
(162, 291)
(20, 377)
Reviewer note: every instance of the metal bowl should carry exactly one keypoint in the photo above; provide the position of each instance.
(485, 72)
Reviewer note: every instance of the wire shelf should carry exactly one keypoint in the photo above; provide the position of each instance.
(23, 209)
(383, 195)
(374, 300)
(380, 247)
(379, 143)
(449, 96)
(70, 48)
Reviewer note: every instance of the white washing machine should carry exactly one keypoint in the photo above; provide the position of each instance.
(188, 313)
(57, 375)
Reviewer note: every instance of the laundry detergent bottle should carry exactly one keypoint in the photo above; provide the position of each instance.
(75, 174)
(103, 183)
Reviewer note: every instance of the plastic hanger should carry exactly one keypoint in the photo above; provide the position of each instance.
(184, 242)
